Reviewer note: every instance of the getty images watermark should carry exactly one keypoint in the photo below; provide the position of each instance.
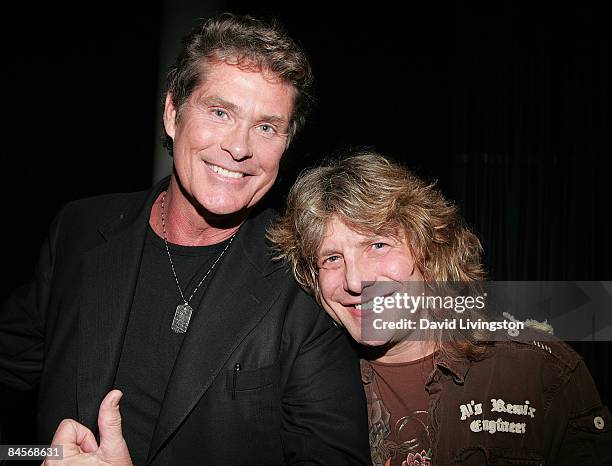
(458, 304)
(576, 311)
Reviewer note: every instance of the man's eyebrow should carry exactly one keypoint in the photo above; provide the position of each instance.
(368, 240)
(275, 119)
(216, 101)
(325, 252)
(374, 239)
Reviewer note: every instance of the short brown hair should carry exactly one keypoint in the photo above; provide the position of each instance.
(251, 43)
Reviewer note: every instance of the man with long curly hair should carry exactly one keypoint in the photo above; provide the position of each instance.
(450, 398)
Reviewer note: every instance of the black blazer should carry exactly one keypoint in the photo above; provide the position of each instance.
(298, 397)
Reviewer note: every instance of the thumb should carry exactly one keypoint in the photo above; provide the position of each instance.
(112, 444)
(75, 438)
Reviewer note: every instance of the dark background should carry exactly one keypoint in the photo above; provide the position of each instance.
(505, 103)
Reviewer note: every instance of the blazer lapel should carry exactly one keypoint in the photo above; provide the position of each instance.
(110, 274)
(216, 329)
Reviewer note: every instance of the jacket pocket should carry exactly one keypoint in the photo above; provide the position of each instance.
(245, 380)
(253, 398)
(588, 439)
(597, 422)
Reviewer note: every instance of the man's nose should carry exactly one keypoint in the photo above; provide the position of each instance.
(353, 276)
(236, 141)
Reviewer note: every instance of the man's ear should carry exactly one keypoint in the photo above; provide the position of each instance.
(169, 116)
(290, 134)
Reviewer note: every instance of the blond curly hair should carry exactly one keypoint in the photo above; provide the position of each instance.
(373, 194)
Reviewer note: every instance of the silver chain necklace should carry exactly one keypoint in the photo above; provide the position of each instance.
(183, 312)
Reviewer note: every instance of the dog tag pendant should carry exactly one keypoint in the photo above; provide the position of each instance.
(181, 318)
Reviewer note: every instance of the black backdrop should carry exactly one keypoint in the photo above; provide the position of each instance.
(507, 105)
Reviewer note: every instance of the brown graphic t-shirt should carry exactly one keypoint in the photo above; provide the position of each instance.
(399, 413)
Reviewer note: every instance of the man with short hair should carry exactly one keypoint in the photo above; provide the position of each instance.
(171, 295)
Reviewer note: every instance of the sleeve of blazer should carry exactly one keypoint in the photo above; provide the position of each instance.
(22, 320)
(324, 410)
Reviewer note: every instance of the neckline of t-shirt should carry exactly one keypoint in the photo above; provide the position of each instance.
(422, 360)
(182, 250)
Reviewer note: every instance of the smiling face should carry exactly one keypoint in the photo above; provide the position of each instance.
(346, 259)
(228, 138)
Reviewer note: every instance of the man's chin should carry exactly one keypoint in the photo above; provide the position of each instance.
(225, 204)
(371, 338)
(373, 343)
(223, 213)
